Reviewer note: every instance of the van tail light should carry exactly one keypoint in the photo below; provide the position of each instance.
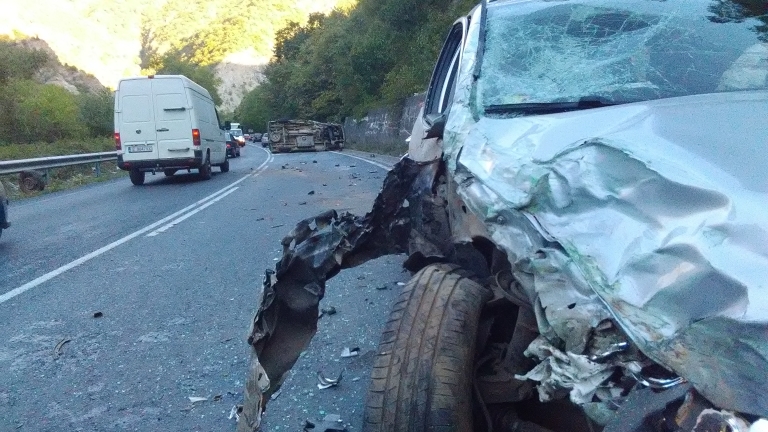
(118, 143)
(195, 137)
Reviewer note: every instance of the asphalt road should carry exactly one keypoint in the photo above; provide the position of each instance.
(120, 303)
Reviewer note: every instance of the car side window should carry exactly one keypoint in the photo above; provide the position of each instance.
(443, 82)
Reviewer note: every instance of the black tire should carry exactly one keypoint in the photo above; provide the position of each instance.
(225, 166)
(422, 376)
(205, 169)
(137, 177)
(169, 172)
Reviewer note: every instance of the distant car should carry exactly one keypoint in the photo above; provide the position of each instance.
(265, 140)
(3, 210)
(237, 134)
(233, 147)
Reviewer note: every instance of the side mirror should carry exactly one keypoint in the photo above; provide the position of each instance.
(435, 125)
(227, 125)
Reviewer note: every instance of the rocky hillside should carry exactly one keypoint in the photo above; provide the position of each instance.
(111, 39)
(54, 72)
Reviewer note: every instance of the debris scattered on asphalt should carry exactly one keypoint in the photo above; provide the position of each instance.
(329, 311)
(59, 347)
(350, 352)
(325, 184)
(311, 192)
(278, 226)
(324, 382)
(331, 423)
(355, 379)
(382, 287)
(303, 203)
(98, 314)
(401, 284)
(337, 165)
(195, 399)
(217, 398)
(234, 413)
(275, 395)
(352, 166)
(372, 172)
(282, 167)
(314, 161)
(259, 219)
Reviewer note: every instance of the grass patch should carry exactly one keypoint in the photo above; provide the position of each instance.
(384, 148)
(60, 178)
(58, 148)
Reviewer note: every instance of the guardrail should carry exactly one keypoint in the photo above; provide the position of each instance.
(38, 164)
(31, 178)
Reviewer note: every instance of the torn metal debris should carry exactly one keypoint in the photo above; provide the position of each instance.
(323, 382)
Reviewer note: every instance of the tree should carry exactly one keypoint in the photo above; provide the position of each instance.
(97, 112)
(19, 62)
(39, 112)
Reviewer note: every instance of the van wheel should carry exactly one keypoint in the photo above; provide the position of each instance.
(422, 376)
(225, 166)
(205, 169)
(169, 172)
(137, 177)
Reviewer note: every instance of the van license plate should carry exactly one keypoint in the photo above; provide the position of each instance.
(139, 149)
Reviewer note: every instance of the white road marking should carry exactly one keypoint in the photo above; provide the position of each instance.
(50, 275)
(380, 165)
(165, 228)
(229, 189)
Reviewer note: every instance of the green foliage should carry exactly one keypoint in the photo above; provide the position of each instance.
(343, 64)
(31, 112)
(96, 112)
(17, 62)
(38, 112)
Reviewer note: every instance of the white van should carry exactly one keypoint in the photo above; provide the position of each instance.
(167, 123)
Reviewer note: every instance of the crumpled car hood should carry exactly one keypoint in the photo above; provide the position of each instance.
(658, 208)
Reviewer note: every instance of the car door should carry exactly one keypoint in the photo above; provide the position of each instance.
(172, 119)
(427, 131)
(136, 116)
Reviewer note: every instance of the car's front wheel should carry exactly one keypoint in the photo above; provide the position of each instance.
(137, 177)
(422, 376)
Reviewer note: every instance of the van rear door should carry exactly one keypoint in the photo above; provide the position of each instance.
(137, 120)
(172, 119)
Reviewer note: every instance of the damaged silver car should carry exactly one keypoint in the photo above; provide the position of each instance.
(583, 205)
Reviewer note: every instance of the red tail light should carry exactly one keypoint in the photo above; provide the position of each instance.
(229, 145)
(118, 143)
(195, 137)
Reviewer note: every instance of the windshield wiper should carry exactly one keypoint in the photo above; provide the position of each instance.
(585, 102)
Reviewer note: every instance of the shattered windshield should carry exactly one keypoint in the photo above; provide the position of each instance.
(597, 53)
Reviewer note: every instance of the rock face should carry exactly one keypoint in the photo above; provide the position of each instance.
(239, 73)
(69, 77)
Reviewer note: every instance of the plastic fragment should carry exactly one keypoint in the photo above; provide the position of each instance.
(350, 352)
(59, 346)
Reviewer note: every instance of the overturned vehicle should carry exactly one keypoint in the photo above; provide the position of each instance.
(304, 135)
(583, 206)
